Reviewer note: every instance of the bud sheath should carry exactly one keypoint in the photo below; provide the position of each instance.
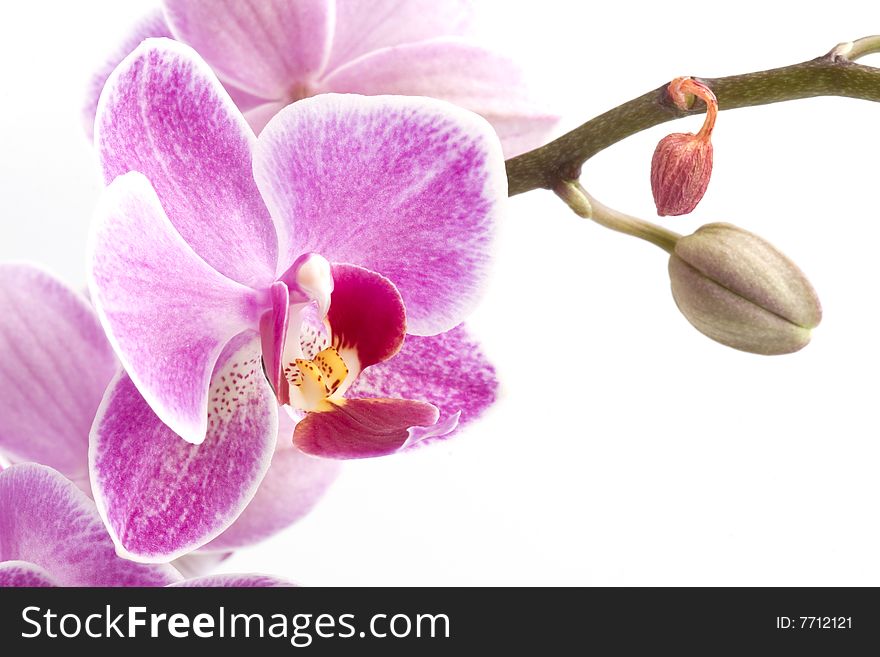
(680, 172)
(682, 163)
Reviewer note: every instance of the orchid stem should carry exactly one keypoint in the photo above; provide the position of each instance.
(853, 50)
(833, 74)
(586, 206)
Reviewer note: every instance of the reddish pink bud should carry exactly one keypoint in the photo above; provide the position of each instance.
(680, 172)
(682, 163)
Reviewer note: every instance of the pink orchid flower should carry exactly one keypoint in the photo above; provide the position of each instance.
(53, 536)
(210, 269)
(50, 334)
(275, 52)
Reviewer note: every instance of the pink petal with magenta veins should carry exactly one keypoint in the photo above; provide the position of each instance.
(411, 188)
(295, 483)
(167, 313)
(47, 522)
(165, 114)
(161, 497)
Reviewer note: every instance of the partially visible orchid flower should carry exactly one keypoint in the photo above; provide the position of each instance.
(234, 580)
(275, 52)
(56, 367)
(52, 535)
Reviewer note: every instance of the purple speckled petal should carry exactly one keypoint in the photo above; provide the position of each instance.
(362, 27)
(161, 497)
(54, 366)
(463, 73)
(23, 573)
(294, 484)
(268, 48)
(234, 580)
(150, 26)
(410, 188)
(47, 521)
(363, 428)
(165, 114)
(167, 313)
(448, 370)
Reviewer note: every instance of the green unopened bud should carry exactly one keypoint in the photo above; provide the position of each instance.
(740, 291)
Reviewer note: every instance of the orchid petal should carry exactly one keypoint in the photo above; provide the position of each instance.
(47, 521)
(54, 367)
(294, 484)
(234, 581)
(462, 73)
(23, 573)
(363, 428)
(411, 188)
(164, 113)
(362, 27)
(166, 312)
(367, 318)
(152, 25)
(267, 48)
(244, 101)
(161, 497)
(448, 370)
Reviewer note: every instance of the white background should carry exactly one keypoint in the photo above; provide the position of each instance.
(664, 458)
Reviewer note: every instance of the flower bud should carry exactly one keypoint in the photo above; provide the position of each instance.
(682, 162)
(680, 172)
(740, 291)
